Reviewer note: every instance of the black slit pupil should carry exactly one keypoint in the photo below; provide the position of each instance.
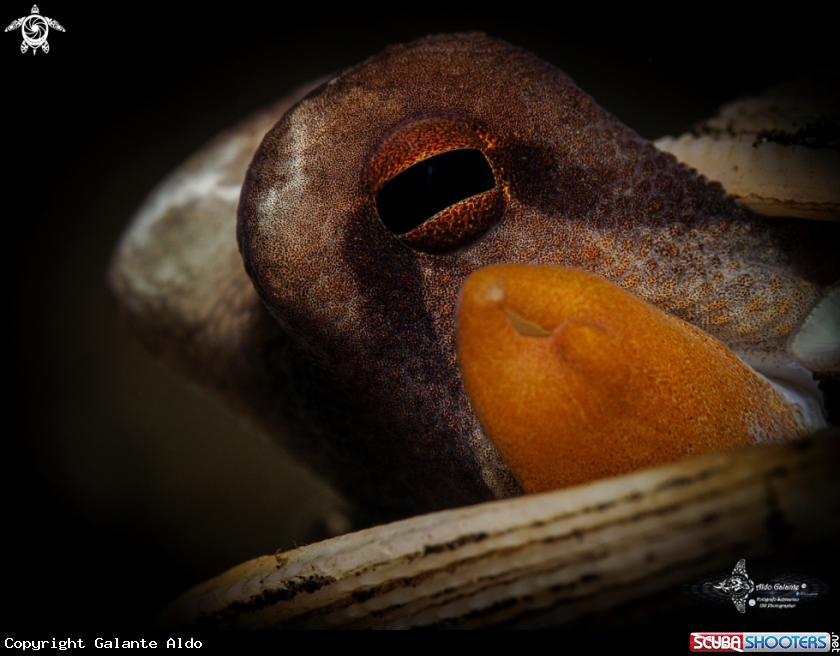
(421, 191)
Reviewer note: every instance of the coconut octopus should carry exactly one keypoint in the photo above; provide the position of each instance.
(464, 280)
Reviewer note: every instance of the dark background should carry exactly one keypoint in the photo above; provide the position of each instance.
(123, 484)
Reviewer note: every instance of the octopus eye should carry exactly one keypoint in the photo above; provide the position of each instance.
(436, 182)
(423, 190)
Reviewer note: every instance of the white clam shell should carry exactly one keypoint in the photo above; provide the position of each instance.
(611, 547)
(762, 151)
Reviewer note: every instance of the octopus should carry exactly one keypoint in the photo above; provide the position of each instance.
(464, 280)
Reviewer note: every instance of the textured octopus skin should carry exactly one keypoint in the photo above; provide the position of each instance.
(348, 354)
(372, 321)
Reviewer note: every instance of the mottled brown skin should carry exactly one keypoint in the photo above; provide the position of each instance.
(370, 322)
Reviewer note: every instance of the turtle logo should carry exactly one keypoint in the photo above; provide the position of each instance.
(35, 29)
(738, 586)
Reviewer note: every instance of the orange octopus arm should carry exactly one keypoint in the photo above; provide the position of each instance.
(575, 379)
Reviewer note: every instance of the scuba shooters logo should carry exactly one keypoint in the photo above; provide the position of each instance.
(717, 642)
(34, 29)
(761, 642)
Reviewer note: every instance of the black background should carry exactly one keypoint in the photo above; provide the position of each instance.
(123, 484)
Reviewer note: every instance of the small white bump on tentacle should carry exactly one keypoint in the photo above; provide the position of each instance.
(794, 383)
(816, 343)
